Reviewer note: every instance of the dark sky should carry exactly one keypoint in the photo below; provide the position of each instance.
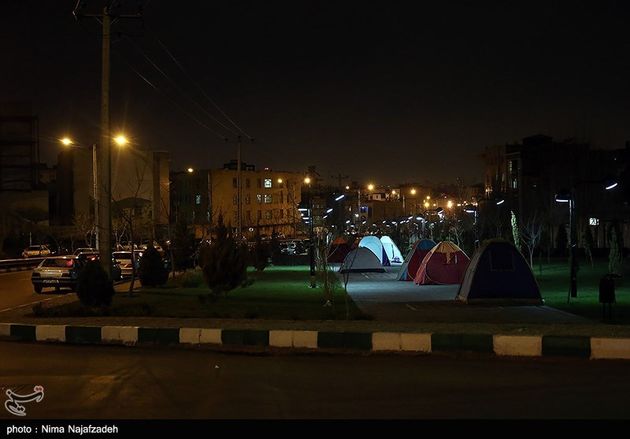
(381, 91)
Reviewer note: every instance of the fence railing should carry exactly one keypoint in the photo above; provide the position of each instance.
(19, 263)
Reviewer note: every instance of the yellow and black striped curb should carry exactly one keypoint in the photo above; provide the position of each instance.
(394, 342)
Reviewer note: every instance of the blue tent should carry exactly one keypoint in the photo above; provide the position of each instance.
(498, 272)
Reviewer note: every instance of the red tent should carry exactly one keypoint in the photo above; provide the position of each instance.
(444, 264)
(414, 258)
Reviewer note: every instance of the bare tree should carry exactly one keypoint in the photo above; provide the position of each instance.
(531, 232)
(84, 226)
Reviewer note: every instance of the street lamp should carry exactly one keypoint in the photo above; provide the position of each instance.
(568, 196)
(311, 249)
(68, 142)
(121, 140)
(190, 170)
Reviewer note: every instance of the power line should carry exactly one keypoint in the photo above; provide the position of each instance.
(201, 90)
(178, 88)
(173, 101)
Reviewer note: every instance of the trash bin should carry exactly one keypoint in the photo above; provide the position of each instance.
(607, 289)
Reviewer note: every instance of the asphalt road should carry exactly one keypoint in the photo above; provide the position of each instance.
(120, 382)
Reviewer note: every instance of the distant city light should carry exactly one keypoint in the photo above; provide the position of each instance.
(307, 180)
(190, 170)
(428, 197)
(347, 187)
(279, 181)
(413, 191)
(370, 187)
(449, 204)
(347, 221)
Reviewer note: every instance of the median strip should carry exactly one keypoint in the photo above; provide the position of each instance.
(392, 342)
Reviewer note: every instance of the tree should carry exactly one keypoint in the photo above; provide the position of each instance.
(531, 233)
(276, 251)
(587, 242)
(515, 231)
(615, 257)
(223, 262)
(151, 269)
(84, 227)
(183, 247)
(260, 253)
(94, 287)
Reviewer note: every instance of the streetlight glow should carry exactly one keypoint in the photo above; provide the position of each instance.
(347, 187)
(279, 181)
(370, 187)
(413, 191)
(190, 170)
(66, 141)
(449, 204)
(121, 140)
(307, 180)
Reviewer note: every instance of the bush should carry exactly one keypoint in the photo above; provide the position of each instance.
(151, 270)
(260, 254)
(94, 287)
(224, 262)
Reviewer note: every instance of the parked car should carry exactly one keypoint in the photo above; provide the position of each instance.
(56, 272)
(124, 260)
(80, 250)
(35, 251)
(85, 257)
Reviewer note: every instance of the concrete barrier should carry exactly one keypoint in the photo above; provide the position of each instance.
(50, 333)
(610, 348)
(518, 345)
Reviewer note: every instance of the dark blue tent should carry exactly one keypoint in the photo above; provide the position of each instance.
(498, 272)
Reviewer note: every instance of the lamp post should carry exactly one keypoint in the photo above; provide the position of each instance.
(311, 247)
(66, 141)
(569, 196)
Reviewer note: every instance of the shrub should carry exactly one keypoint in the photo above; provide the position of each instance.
(94, 287)
(260, 254)
(151, 270)
(224, 262)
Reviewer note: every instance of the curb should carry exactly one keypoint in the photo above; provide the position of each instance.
(383, 342)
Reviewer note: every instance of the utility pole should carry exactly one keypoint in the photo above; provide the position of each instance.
(238, 188)
(104, 226)
(95, 192)
(105, 156)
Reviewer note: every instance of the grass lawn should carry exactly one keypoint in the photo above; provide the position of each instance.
(277, 293)
(554, 288)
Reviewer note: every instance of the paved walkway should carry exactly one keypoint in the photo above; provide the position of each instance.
(382, 296)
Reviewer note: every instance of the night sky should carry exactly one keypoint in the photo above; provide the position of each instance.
(381, 91)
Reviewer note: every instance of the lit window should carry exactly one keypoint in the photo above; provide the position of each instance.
(267, 183)
(268, 199)
(198, 199)
(247, 199)
(235, 200)
(259, 198)
(593, 221)
(268, 214)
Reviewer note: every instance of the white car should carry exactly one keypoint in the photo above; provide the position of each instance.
(35, 251)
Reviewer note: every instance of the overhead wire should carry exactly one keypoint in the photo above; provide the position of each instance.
(197, 85)
(178, 88)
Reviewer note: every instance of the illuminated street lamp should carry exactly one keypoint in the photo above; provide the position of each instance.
(370, 187)
(121, 140)
(568, 196)
(190, 170)
(68, 142)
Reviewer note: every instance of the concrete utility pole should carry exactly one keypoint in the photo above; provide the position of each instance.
(104, 225)
(105, 156)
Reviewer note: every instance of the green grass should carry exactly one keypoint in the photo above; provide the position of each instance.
(554, 288)
(277, 293)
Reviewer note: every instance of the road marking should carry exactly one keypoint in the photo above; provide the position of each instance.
(410, 307)
(27, 304)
